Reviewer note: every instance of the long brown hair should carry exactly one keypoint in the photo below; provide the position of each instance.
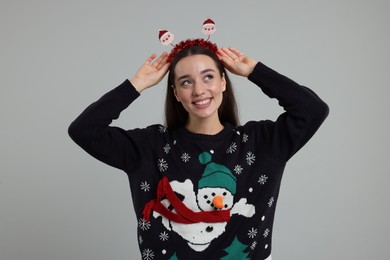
(175, 114)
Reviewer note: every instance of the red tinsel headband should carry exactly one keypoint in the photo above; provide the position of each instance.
(208, 28)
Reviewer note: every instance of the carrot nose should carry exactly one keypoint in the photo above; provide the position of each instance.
(218, 202)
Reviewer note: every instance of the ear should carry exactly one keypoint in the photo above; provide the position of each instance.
(223, 82)
(175, 93)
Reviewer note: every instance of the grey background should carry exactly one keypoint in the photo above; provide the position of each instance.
(56, 57)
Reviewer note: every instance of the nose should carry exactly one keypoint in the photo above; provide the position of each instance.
(198, 89)
(218, 202)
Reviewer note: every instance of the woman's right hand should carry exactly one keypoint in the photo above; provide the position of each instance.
(151, 72)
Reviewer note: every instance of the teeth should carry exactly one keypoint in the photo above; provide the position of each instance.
(203, 102)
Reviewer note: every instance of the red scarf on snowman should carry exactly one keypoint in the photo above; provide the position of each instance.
(184, 214)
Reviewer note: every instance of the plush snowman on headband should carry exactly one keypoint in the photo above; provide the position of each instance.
(166, 38)
(209, 28)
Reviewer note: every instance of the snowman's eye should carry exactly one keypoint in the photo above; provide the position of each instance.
(224, 194)
(209, 229)
(213, 194)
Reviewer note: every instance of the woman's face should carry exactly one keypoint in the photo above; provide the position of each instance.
(199, 86)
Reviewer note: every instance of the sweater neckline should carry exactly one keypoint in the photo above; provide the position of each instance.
(227, 129)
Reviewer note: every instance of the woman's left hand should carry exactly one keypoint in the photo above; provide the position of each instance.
(236, 62)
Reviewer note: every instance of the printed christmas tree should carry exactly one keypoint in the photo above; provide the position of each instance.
(174, 257)
(236, 251)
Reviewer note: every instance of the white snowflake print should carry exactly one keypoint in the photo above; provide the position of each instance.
(185, 157)
(271, 201)
(252, 233)
(145, 186)
(238, 169)
(162, 165)
(266, 233)
(147, 254)
(232, 148)
(140, 240)
(250, 158)
(262, 179)
(244, 138)
(162, 129)
(143, 224)
(164, 236)
(167, 147)
(253, 246)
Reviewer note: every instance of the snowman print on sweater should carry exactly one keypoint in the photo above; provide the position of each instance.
(216, 190)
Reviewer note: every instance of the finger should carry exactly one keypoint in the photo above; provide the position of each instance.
(223, 56)
(163, 63)
(150, 59)
(230, 54)
(236, 52)
(160, 59)
(227, 62)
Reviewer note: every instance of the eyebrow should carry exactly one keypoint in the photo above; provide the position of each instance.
(202, 72)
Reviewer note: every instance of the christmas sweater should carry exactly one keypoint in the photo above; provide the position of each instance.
(202, 196)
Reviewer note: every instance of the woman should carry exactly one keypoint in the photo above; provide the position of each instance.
(203, 187)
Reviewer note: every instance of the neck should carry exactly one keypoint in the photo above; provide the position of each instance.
(204, 126)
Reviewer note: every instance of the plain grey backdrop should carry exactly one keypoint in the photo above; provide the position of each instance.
(57, 57)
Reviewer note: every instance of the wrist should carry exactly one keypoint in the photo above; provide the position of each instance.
(138, 84)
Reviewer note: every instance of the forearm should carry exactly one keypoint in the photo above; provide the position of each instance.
(294, 98)
(91, 129)
(305, 112)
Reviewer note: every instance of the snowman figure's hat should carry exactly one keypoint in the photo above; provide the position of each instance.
(208, 22)
(216, 175)
(161, 32)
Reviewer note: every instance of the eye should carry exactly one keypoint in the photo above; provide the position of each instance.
(185, 83)
(208, 77)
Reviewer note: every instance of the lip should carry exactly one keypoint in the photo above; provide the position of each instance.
(202, 103)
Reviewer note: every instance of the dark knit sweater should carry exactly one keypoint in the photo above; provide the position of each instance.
(235, 173)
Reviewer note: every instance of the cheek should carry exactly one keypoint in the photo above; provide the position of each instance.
(176, 93)
(182, 95)
(220, 91)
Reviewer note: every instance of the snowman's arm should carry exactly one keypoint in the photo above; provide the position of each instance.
(243, 209)
(185, 188)
(164, 220)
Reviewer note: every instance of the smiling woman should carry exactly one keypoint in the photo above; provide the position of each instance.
(212, 69)
(204, 185)
(200, 90)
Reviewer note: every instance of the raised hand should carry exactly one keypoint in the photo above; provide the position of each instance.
(236, 62)
(151, 72)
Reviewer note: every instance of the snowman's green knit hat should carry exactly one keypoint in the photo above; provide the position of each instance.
(216, 175)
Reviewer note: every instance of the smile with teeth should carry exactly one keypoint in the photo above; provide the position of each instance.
(202, 102)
